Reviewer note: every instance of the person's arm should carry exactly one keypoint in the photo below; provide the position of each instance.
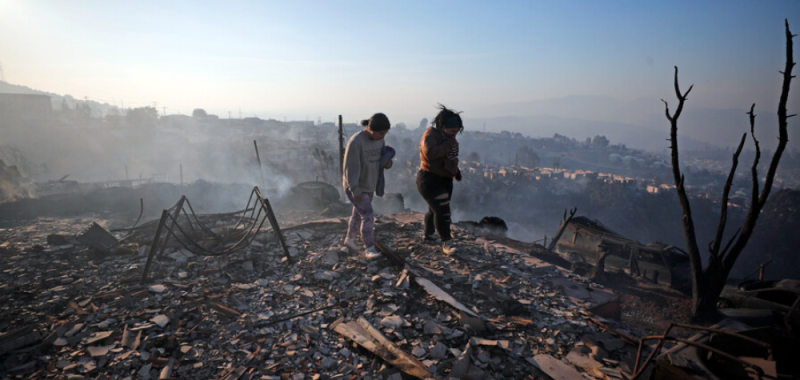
(352, 167)
(432, 149)
(387, 152)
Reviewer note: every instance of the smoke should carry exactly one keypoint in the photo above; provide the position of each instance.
(182, 150)
(13, 185)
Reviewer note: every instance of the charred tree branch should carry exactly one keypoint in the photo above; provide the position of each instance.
(754, 169)
(783, 139)
(688, 224)
(733, 238)
(723, 215)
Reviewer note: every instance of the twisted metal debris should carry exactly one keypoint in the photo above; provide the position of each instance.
(244, 231)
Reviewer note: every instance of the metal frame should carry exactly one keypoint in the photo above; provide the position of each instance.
(251, 220)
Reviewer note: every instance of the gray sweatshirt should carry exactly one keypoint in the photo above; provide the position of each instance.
(362, 161)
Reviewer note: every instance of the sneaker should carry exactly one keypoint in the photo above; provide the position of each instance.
(430, 239)
(371, 253)
(351, 244)
(448, 247)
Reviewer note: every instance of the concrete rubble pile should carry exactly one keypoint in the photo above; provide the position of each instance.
(73, 310)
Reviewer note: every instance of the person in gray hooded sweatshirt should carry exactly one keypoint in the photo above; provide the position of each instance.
(362, 169)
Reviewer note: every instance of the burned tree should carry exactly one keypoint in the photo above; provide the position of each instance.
(708, 281)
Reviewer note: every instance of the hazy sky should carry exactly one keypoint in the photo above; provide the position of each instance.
(318, 59)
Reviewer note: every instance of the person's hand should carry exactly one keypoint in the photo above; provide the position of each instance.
(458, 176)
(358, 198)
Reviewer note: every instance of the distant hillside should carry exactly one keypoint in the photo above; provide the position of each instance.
(8, 88)
(98, 109)
(636, 121)
(632, 136)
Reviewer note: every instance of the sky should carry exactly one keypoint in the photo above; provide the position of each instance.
(315, 60)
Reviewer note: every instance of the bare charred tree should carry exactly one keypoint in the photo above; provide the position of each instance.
(708, 281)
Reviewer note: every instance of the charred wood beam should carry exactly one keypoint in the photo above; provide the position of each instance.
(275, 227)
(564, 222)
(175, 214)
(154, 245)
(465, 315)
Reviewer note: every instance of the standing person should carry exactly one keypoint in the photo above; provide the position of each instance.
(362, 168)
(438, 153)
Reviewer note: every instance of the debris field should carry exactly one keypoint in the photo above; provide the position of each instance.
(73, 306)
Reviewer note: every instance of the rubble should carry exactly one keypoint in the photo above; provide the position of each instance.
(492, 310)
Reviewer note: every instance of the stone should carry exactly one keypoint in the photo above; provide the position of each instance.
(161, 320)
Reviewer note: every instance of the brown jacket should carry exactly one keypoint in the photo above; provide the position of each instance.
(433, 149)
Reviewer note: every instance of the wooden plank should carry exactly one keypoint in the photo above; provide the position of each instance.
(367, 336)
(555, 368)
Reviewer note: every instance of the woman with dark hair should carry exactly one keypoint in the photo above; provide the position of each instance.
(362, 170)
(438, 153)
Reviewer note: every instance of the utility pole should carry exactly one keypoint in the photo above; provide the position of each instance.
(341, 148)
(264, 184)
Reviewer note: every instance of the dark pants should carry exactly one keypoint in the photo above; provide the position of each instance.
(432, 187)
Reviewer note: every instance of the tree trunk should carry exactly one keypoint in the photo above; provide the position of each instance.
(704, 300)
(708, 282)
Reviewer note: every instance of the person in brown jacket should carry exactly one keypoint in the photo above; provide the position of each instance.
(438, 153)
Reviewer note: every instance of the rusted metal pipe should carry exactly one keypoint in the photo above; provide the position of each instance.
(702, 346)
(661, 338)
(141, 211)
